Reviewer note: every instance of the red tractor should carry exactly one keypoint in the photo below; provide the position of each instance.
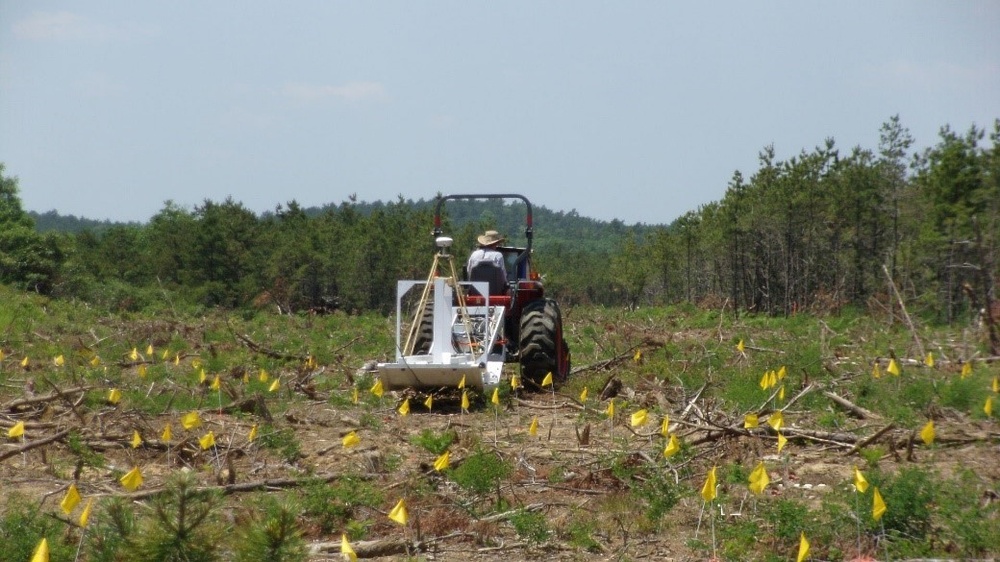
(466, 329)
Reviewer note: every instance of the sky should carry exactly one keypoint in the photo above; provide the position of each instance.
(638, 111)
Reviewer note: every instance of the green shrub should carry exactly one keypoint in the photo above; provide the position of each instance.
(481, 472)
(272, 535)
(333, 505)
(181, 526)
(433, 442)
(530, 526)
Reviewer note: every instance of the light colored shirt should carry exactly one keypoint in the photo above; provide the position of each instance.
(486, 255)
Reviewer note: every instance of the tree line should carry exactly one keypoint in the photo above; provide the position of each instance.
(824, 229)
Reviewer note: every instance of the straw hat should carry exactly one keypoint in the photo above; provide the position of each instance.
(489, 238)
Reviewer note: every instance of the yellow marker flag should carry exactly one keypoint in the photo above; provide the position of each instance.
(461, 383)
(496, 397)
(166, 355)
(740, 347)
(708, 489)
(996, 384)
(781, 393)
(465, 400)
(114, 396)
(207, 441)
(167, 435)
(134, 356)
(253, 433)
(803, 548)
(149, 349)
(142, 371)
(876, 371)
(547, 381)
(640, 418)
(25, 362)
(202, 377)
(191, 420)
(442, 462)
(277, 385)
(533, 428)
(966, 368)
(398, 513)
(759, 479)
(611, 409)
(95, 361)
(59, 361)
(515, 382)
(765, 381)
(583, 394)
(263, 376)
(354, 396)
(216, 383)
(429, 402)
(132, 480)
(638, 356)
(85, 514)
(927, 433)
(195, 363)
(929, 360)
(351, 440)
(136, 439)
(878, 506)
(781, 442)
(893, 368)
(776, 420)
(772, 379)
(41, 552)
(70, 500)
(246, 377)
(750, 421)
(2, 356)
(404, 408)
(672, 448)
(860, 483)
(346, 549)
(177, 358)
(988, 407)
(377, 388)
(16, 431)
(782, 372)
(665, 426)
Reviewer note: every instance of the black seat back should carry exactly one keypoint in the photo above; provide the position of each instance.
(486, 271)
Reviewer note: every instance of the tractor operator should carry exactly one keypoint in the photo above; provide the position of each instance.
(487, 253)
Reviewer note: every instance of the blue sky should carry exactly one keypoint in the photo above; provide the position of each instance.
(639, 111)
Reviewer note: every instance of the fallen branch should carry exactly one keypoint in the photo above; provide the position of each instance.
(274, 483)
(869, 440)
(21, 402)
(367, 549)
(858, 411)
(257, 348)
(29, 446)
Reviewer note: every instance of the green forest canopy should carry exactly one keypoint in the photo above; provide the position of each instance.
(817, 231)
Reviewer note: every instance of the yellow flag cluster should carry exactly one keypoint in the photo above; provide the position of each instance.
(708, 492)
(769, 380)
(759, 479)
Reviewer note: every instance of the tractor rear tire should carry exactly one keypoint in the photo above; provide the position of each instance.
(543, 349)
(425, 332)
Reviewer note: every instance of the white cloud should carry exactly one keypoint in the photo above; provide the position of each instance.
(351, 91)
(67, 26)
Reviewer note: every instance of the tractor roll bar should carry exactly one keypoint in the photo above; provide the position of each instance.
(441, 199)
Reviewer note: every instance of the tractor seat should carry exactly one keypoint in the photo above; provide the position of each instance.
(489, 273)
